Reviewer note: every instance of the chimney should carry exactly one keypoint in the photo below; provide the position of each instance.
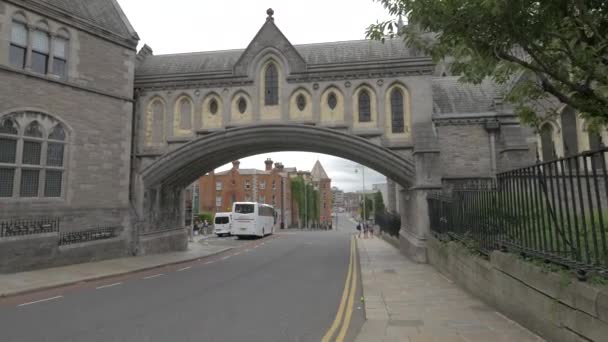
(278, 166)
(235, 164)
(268, 163)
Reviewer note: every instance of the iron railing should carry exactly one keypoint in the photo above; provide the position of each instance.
(30, 226)
(557, 211)
(67, 238)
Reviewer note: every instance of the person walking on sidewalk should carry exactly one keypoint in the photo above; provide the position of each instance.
(359, 230)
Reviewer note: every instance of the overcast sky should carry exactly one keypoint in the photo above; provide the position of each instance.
(179, 26)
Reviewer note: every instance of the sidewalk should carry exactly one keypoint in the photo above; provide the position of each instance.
(23, 282)
(410, 302)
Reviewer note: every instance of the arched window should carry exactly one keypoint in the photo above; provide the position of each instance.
(242, 104)
(185, 114)
(213, 106)
(398, 125)
(37, 168)
(301, 102)
(332, 100)
(60, 50)
(548, 146)
(569, 132)
(156, 121)
(18, 46)
(40, 50)
(364, 107)
(271, 85)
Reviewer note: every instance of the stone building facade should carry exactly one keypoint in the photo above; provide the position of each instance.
(66, 107)
(322, 183)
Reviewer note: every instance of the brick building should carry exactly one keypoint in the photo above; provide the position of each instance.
(218, 191)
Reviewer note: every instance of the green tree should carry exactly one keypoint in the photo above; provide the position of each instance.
(307, 200)
(549, 47)
(369, 206)
(378, 203)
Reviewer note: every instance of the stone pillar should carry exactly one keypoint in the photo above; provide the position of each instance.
(492, 127)
(391, 194)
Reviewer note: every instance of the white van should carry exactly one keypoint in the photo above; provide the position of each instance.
(222, 224)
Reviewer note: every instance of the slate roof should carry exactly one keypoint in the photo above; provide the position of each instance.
(103, 13)
(451, 96)
(355, 51)
(318, 172)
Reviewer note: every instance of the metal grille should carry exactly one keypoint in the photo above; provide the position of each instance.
(54, 155)
(364, 107)
(89, 235)
(7, 177)
(29, 183)
(272, 86)
(53, 181)
(397, 111)
(19, 227)
(8, 150)
(31, 152)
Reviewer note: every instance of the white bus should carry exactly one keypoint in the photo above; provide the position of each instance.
(252, 219)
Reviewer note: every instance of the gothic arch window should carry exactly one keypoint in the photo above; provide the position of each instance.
(242, 105)
(60, 53)
(569, 132)
(156, 121)
(332, 100)
(271, 85)
(40, 49)
(184, 108)
(301, 102)
(213, 106)
(364, 106)
(397, 115)
(32, 164)
(547, 143)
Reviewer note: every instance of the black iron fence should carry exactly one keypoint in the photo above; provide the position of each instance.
(101, 233)
(557, 211)
(31, 226)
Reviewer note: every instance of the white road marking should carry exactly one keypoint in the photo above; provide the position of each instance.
(226, 257)
(235, 254)
(40, 301)
(446, 278)
(209, 262)
(153, 276)
(105, 286)
(185, 268)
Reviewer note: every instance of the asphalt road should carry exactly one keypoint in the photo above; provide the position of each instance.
(282, 288)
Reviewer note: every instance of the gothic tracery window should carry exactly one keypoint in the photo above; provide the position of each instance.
(242, 105)
(332, 100)
(185, 114)
(271, 88)
(213, 106)
(364, 106)
(398, 125)
(301, 102)
(156, 121)
(31, 162)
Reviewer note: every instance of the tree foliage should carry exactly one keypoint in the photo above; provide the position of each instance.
(307, 200)
(555, 48)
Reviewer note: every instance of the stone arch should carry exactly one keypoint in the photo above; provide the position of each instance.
(236, 116)
(295, 112)
(43, 25)
(332, 115)
(394, 126)
(156, 113)
(212, 114)
(183, 115)
(20, 16)
(358, 95)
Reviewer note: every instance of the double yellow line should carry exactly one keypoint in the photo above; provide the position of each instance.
(345, 310)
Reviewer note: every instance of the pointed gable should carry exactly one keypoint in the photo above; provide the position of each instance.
(270, 36)
(318, 172)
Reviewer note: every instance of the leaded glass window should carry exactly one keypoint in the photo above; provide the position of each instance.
(364, 107)
(60, 56)
(7, 177)
(301, 102)
(40, 51)
(271, 85)
(29, 183)
(398, 125)
(18, 46)
(332, 101)
(242, 104)
(31, 164)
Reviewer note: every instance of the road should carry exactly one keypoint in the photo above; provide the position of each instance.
(287, 287)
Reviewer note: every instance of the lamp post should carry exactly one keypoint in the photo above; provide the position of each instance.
(364, 199)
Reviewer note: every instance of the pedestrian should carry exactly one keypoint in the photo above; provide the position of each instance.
(359, 230)
(365, 229)
(205, 225)
(196, 227)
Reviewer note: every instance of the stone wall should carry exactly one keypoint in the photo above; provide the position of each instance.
(557, 307)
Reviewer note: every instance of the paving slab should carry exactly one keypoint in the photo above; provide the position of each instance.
(410, 302)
